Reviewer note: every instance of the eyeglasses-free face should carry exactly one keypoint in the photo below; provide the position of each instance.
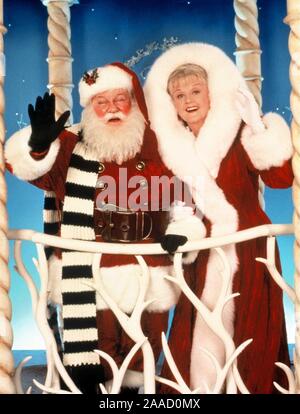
(190, 97)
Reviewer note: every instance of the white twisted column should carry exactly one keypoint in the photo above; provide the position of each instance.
(6, 335)
(59, 57)
(248, 53)
(293, 19)
(248, 47)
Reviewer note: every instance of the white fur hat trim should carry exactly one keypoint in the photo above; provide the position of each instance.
(102, 79)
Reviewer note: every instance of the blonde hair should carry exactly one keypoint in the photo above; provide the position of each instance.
(185, 70)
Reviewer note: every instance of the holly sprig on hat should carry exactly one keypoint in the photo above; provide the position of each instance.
(90, 78)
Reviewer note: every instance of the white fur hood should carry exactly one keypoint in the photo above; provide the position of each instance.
(223, 120)
(197, 161)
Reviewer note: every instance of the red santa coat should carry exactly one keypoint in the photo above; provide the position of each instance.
(55, 180)
(228, 157)
(120, 273)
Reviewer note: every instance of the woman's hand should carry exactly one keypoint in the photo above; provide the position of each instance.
(249, 110)
(43, 125)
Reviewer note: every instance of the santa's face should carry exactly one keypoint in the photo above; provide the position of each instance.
(190, 97)
(113, 126)
(112, 106)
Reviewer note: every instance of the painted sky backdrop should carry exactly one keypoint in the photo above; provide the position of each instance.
(104, 31)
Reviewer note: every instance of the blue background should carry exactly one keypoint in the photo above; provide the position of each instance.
(113, 30)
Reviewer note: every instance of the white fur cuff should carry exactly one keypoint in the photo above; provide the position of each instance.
(17, 154)
(191, 227)
(270, 148)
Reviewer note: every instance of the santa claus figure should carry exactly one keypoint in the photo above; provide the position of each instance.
(89, 169)
(208, 125)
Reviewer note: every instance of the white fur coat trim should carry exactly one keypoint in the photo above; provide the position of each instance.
(222, 123)
(270, 148)
(17, 154)
(204, 155)
(122, 284)
(202, 368)
(206, 152)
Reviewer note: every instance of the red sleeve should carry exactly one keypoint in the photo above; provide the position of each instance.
(9, 167)
(39, 155)
(54, 179)
(278, 177)
(274, 177)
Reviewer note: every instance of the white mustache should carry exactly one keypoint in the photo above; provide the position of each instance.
(107, 117)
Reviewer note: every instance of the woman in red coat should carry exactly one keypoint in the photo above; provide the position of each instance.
(208, 125)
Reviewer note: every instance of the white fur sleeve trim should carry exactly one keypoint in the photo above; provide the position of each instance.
(17, 154)
(270, 148)
(189, 225)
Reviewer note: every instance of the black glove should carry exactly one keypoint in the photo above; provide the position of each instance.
(43, 125)
(171, 242)
(87, 378)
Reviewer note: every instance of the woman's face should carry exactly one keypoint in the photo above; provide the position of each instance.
(191, 100)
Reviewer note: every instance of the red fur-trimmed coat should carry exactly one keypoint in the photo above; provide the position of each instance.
(120, 273)
(53, 178)
(229, 158)
(258, 310)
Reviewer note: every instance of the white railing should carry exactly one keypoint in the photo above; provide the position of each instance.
(227, 376)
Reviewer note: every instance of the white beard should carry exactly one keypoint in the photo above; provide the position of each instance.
(113, 143)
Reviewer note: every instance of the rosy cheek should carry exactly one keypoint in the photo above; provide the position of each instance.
(99, 111)
(126, 108)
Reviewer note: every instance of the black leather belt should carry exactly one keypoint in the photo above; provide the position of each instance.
(130, 226)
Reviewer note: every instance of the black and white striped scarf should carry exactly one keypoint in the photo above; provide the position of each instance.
(80, 335)
(51, 226)
(51, 218)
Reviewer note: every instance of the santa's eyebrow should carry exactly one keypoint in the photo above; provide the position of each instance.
(100, 97)
(122, 94)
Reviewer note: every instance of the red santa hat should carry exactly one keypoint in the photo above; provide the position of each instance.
(100, 79)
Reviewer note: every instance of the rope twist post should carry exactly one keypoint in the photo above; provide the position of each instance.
(59, 56)
(293, 20)
(6, 334)
(247, 45)
(248, 54)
